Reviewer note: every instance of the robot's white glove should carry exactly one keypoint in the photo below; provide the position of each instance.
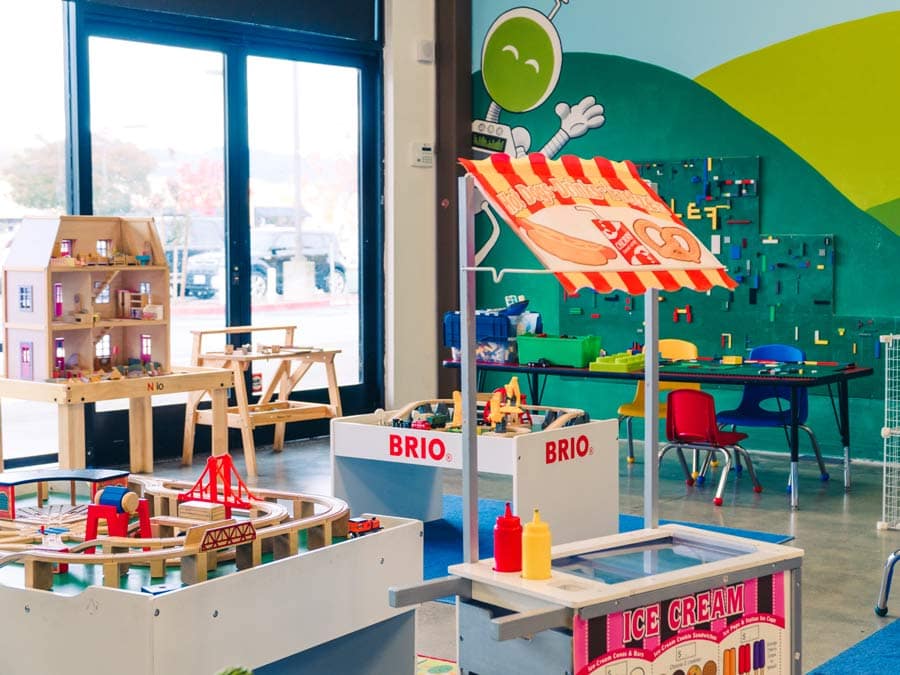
(521, 141)
(587, 114)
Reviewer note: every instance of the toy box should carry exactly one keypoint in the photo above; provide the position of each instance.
(559, 350)
(495, 334)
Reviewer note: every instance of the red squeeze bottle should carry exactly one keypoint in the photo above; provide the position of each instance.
(508, 542)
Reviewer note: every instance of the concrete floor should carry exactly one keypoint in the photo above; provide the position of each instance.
(844, 551)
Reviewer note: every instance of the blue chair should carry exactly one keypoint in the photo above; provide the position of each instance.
(764, 405)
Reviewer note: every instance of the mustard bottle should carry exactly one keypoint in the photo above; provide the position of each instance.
(536, 548)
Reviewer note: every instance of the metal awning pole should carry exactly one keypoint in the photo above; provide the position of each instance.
(467, 368)
(651, 407)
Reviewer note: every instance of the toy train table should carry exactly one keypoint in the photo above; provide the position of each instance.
(175, 577)
(560, 462)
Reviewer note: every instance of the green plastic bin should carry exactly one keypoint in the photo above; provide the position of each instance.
(576, 352)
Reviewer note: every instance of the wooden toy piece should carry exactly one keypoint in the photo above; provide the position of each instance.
(62, 316)
(361, 525)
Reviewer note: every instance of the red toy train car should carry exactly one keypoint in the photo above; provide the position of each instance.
(357, 527)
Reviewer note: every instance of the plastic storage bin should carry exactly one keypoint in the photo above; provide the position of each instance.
(493, 333)
(576, 352)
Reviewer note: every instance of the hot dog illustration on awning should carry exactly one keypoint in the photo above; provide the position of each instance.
(596, 224)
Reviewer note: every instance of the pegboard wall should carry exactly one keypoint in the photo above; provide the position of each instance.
(787, 282)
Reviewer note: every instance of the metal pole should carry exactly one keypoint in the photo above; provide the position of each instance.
(467, 368)
(651, 408)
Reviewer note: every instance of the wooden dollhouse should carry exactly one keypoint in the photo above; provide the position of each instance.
(86, 296)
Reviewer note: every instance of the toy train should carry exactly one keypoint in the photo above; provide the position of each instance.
(360, 525)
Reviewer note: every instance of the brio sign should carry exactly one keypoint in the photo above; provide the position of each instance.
(417, 447)
(564, 449)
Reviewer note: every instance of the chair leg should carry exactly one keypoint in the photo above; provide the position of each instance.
(815, 444)
(717, 500)
(628, 430)
(684, 467)
(881, 606)
(688, 474)
(738, 451)
(701, 477)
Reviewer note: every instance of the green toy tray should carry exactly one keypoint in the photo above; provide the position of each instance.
(622, 362)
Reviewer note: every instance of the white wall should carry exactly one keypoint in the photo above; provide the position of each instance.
(411, 354)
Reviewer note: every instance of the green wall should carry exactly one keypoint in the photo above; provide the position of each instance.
(655, 114)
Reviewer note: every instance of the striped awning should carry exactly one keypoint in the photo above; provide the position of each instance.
(596, 224)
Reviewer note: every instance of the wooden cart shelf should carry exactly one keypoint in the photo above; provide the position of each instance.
(275, 406)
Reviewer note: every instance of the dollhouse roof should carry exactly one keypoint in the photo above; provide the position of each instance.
(33, 244)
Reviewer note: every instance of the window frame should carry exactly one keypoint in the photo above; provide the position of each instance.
(237, 42)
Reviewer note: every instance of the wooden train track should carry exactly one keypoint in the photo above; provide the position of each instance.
(193, 544)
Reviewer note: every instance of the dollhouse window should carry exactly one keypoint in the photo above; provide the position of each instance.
(144, 288)
(104, 247)
(57, 300)
(103, 348)
(146, 348)
(66, 246)
(101, 288)
(25, 297)
(25, 371)
(60, 353)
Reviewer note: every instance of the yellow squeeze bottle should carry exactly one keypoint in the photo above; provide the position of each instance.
(536, 549)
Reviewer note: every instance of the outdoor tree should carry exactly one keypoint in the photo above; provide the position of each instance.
(121, 170)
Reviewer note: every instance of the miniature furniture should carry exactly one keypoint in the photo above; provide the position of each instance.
(671, 349)
(78, 302)
(791, 405)
(274, 407)
(70, 397)
(691, 423)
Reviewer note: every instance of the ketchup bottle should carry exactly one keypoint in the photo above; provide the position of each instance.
(508, 542)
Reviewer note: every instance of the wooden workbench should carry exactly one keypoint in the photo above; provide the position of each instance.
(275, 406)
(70, 396)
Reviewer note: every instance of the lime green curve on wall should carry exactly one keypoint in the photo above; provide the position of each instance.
(832, 96)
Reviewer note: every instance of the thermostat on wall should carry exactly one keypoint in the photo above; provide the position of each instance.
(422, 154)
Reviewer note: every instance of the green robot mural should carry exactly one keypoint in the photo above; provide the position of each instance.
(520, 62)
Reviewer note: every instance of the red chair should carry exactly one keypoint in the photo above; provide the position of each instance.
(691, 423)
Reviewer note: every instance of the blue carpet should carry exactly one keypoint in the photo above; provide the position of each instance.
(875, 654)
(443, 538)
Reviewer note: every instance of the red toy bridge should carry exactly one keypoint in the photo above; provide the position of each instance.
(220, 475)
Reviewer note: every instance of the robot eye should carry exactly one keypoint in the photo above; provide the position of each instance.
(512, 50)
(534, 64)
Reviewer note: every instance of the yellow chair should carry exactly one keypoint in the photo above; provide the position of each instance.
(675, 350)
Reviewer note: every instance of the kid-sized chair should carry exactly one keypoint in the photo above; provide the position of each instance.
(675, 350)
(691, 423)
(769, 405)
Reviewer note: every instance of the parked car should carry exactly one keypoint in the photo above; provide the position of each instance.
(205, 275)
(271, 248)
